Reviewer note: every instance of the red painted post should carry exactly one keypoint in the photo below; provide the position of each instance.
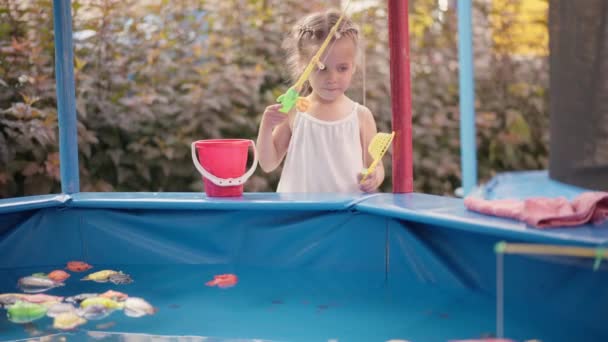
(401, 95)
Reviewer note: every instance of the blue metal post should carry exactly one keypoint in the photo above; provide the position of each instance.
(468, 146)
(66, 96)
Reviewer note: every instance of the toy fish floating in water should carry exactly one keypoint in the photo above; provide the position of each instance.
(60, 308)
(116, 277)
(94, 312)
(105, 302)
(78, 266)
(79, 298)
(39, 298)
(58, 276)
(32, 284)
(8, 299)
(23, 308)
(223, 281)
(100, 276)
(115, 295)
(68, 321)
(137, 307)
(24, 312)
(120, 278)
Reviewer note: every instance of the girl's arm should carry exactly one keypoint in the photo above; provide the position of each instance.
(368, 130)
(273, 138)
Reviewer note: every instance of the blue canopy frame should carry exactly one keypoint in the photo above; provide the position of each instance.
(66, 97)
(468, 146)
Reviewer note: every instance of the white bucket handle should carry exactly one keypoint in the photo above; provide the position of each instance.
(225, 181)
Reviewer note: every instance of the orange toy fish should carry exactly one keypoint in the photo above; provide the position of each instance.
(78, 266)
(58, 276)
(115, 295)
(223, 281)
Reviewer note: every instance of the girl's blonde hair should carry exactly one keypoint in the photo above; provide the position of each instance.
(309, 33)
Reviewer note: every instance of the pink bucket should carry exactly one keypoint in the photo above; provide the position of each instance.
(222, 164)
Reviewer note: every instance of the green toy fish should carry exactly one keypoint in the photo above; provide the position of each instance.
(24, 312)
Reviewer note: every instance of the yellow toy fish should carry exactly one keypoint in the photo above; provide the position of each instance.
(67, 321)
(100, 276)
(101, 301)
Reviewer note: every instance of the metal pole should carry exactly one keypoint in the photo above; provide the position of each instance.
(401, 96)
(468, 145)
(66, 97)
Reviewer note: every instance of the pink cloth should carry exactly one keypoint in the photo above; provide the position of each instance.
(543, 212)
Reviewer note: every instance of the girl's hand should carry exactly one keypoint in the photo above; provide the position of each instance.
(272, 117)
(371, 182)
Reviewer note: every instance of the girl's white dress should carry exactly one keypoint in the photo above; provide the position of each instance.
(323, 156)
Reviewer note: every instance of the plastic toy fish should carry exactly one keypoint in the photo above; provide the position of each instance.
(290, 98)
(137, 307)
(59, 308)
(223, 281)
(8, 299)
(58, 276)
(105, 302)
(39, 298)
(79, 298)
(78, 266)
(24, 312)
(94, 312)
(32, 284)
(120, 278)
(68, 321)
(100, 276)
(114, 295)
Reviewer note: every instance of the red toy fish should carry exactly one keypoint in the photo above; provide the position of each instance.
(223, 281)
(78, 266)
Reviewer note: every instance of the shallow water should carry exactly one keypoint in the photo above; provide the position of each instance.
(271, 305)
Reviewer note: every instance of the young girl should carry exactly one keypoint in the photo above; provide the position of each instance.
(326, 146)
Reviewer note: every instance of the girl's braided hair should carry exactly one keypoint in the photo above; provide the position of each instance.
(309, 33)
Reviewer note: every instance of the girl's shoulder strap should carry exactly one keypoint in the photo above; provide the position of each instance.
(293, 119)
(355, 107)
